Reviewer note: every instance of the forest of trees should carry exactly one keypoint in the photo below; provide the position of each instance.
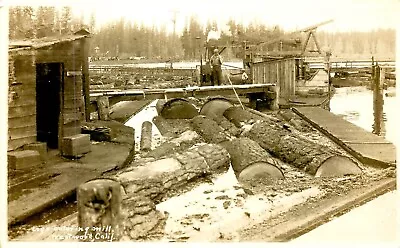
(125, 39)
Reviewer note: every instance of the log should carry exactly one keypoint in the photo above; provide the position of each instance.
(99, 206)
(250, 161)
(226, 125)
(209, 129)
(301, 153)
(161, 125)
(179, 144)
(239, 116)
(244, 153)
(156, 178)
(142, 221)
(171, 127)
(146, 136)
(103, 106)
(176, 108)
(215, 106)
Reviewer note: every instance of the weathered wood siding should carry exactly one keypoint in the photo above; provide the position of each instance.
(282, 72)
(22, 92)
(21, 100)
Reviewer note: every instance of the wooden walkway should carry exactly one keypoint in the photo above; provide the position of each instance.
(367, 147)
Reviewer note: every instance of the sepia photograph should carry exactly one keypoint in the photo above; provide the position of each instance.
(179, 122)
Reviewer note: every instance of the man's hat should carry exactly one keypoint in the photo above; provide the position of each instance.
(215, 50)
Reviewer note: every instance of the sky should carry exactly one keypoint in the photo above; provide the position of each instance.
(348, 15)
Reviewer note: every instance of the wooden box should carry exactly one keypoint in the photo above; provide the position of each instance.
(76, 145)
(19, 160)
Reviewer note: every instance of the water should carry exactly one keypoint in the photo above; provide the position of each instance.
(355, 104)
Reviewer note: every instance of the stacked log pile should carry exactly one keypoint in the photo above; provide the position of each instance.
(281, 142)
(249, 142)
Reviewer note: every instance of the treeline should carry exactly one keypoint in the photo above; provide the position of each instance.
(29, 22)
(123, 39)
(126, 39)
(379, 43)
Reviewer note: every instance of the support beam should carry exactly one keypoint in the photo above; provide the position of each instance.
(85, 76)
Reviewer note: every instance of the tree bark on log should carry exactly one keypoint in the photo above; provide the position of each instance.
(239, 116)
(244, 153)
(301, 153)
(155, 178)
(249, 157)
(146, 136)
(142, 221)
(179, 144)
(209, 129)
(225, 124)
(171, 127)
(150, 183)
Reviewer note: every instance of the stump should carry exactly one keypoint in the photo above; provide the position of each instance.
(146, 136)
(250, 161)
(99, 206)
(177, 108)
(301, 153)
(103, 106)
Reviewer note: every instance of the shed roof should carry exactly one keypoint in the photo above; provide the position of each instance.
(27, 44)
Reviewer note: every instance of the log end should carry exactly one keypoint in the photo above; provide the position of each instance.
(260, 171)
(178, 109)
(215, 107)
(338, 166)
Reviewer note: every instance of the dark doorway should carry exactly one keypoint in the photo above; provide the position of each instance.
(49, 78)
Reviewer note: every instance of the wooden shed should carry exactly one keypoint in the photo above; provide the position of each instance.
(291, 75)
(48, 82)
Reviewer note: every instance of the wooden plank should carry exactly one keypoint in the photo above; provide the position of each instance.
(21, 111)
(22, 87)
(26, 77)
(22, 135)
(71, 117)
(16, 143)
(22, 102)
(22, 126)
(325, 211)
(21, 121)
(72, 95)
(85, 77)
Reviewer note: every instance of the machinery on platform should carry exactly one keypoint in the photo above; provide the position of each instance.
(290, 45)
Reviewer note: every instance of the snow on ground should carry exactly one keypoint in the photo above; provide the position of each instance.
(146, 114)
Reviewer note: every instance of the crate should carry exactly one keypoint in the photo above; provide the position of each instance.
(76, 145)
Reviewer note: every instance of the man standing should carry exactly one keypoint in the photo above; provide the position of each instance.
(216, 62)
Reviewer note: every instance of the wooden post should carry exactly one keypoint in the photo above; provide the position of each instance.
(146, 136)
(99, 208)
(103, 108)
(378, 99)
(274, 105)
(85, 76)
